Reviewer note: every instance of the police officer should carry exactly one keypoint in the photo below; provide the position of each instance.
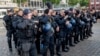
(35, 18)
(93, 19)
(81, 25)
(27, 35)
(68, 29)
(56, 26)
(16, 19)
(61, 33)
(18, 15)
(84, 18)
(8, 24)
(73, 22)
(88, 17)
(47, 32)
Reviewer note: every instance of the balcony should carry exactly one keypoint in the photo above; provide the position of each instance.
(8, 5)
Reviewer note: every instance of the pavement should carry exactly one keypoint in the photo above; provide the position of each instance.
(88, 47)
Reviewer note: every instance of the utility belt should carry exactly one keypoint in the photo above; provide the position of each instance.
(26, 45)
(62, 29)
(23, 40)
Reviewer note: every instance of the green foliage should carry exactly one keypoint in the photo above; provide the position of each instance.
(52, 1)
(82, 2)
(73, 2)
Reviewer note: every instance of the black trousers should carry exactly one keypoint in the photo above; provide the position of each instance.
(48, 43)
(60, 41)
(9, 37)
(31, 49)
(76, 37)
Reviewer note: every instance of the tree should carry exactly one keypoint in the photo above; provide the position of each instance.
(52, 1)
(73, 2)
(82, 2)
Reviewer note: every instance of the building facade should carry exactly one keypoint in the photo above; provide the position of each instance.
(7, 3)
(94, 3)
(36, 3)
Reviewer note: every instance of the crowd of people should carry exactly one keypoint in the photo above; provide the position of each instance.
(54, 30)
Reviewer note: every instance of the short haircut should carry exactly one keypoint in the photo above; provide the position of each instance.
(46, 11)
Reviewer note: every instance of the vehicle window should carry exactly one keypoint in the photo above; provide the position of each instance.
(3, 13)
(0, 13)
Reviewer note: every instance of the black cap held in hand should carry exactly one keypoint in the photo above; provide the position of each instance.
(10, 10)
(49, 5)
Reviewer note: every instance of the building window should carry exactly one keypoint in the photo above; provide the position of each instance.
(97, 0)
(37, 3)
(34, 3)
(92, 0)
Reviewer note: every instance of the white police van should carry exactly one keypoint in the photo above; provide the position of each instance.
(3, 12)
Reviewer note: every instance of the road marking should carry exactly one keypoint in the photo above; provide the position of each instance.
(2, 27)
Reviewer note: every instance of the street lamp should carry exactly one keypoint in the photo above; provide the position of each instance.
(20, 3)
